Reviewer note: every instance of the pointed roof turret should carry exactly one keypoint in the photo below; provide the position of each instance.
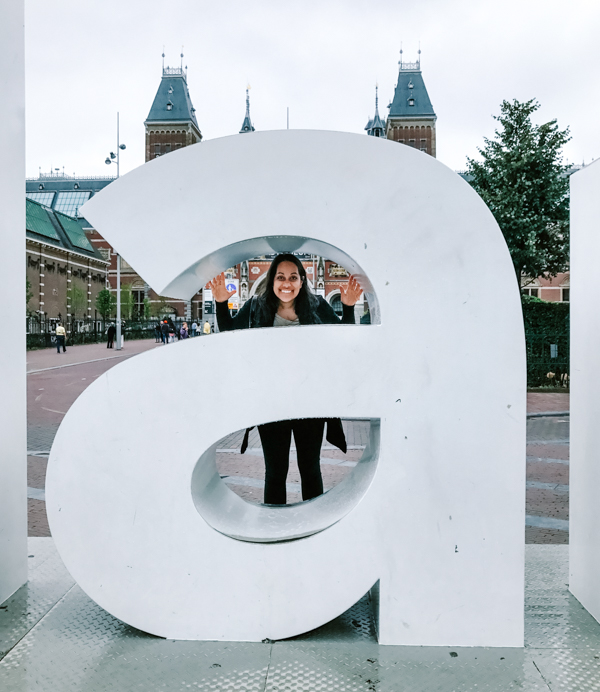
(172, 103)
(411, 97)
(247, 125)
(411, 120)
(171, 123)
(376, 127)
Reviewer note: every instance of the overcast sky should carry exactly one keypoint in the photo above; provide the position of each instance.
(86, 60)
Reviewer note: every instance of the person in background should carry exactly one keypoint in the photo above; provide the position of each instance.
(206, 329)
(184, 331)
(157, 333)
(164, 328)
(110, 334)
(173, 329)
(61, 338)
(194, 328)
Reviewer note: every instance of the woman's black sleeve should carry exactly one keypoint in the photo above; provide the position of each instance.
(227, 322)
(327, 314)
(348, 314)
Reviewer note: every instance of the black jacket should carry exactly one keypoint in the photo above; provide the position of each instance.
(247, 318)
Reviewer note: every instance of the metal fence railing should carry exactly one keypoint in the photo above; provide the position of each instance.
(547, 356)
(548, 360)
(41, 331)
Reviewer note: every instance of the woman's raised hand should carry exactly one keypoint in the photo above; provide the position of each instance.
(219, 289)
(350, 293)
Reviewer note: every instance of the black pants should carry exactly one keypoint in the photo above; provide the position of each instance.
(60, 342)
(276, 439)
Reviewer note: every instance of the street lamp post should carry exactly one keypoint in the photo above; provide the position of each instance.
(118, 302)
(114, 158)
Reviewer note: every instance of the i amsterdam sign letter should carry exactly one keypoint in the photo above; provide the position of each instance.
(432, 517)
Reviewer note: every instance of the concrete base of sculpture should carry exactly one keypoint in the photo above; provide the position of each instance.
(434, 513)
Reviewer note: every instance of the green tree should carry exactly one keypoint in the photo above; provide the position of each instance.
(106, 303)
(78, 301)
(160, 308)
(525, 184)
(127, 302)
(28, 294)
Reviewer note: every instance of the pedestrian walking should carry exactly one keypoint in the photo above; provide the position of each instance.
(164, 329)
(174, 332)
(194, 328)
(184, 331)
(61, 338)
(157, 333)
(111, 332)
(206, 329)
(288, 302)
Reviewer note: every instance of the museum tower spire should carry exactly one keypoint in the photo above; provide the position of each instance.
(171, 123)
(411, 119)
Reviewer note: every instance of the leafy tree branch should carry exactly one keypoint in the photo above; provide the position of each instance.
(525, 184)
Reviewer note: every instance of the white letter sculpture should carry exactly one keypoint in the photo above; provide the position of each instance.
(433, 514)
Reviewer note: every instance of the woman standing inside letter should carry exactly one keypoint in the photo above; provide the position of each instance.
(288, 302)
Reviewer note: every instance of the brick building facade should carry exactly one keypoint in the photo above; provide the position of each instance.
(552, 289)
(64, 271)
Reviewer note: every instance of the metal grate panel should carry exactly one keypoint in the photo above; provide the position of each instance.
(58, 640)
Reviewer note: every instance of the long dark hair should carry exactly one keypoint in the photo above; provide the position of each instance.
(305, 303)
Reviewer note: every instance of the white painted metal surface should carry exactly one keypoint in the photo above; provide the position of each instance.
(443, 369)
(246, 521)
(584, 513)
(13, 459)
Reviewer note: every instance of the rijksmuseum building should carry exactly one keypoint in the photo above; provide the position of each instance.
(64, 252)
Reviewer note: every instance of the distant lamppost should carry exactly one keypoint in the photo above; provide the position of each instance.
(114, 158)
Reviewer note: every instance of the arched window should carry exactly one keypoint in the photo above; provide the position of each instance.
(336, 304)
(138, 301)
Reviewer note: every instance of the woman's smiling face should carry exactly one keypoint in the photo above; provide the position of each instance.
(287, 283)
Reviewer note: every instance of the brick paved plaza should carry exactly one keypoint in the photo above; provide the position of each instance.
(54, 382)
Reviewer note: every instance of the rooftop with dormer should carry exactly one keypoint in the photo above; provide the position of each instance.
(410, 97)
(172, 103)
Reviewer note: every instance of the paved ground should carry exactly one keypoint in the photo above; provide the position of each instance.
(55, 381)
(547, 504)
(48, 357)
(538, 402)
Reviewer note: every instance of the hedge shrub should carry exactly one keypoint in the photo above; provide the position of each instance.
(546, 324)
